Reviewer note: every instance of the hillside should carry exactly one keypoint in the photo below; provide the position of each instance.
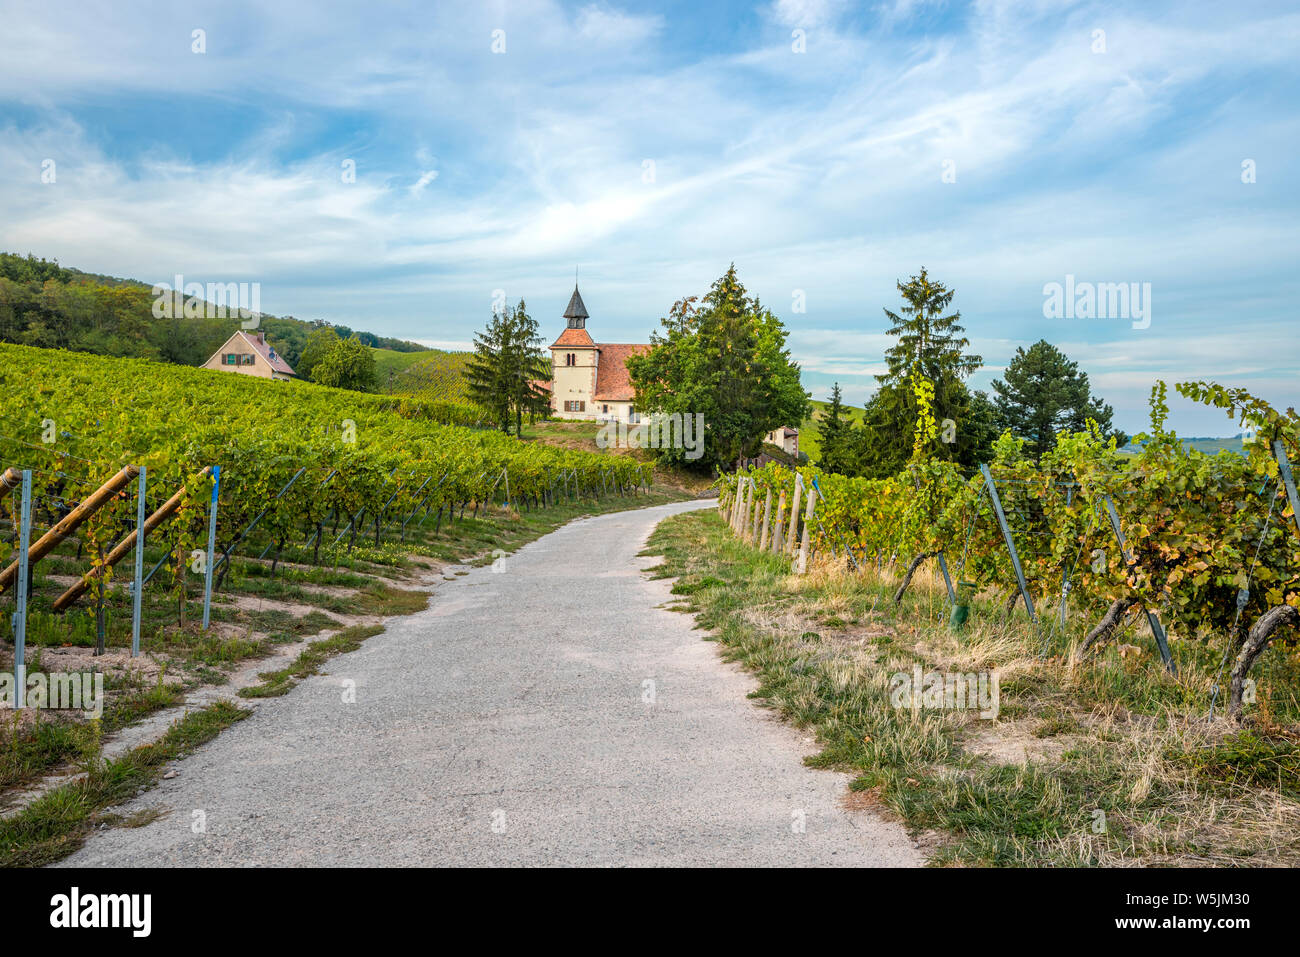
(810, 430)
(50, 306)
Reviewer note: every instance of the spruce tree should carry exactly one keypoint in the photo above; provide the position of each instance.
(1044, 393)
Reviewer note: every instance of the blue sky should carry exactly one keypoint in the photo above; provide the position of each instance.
(821, 172)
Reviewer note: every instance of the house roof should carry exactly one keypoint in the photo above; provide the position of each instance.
(544, 384)
(263, 349)
(576, 309)
(612, 380)
(574, 339)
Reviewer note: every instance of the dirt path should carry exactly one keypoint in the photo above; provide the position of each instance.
(549, 713)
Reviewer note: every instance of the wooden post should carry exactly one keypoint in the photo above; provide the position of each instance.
(71, 522)
(807, 525)
(767, 520)
(790, 538)
(11, 479)
(745, 504)
(754, 518)
(776, 526)
(126, 545)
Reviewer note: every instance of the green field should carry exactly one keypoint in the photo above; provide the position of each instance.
(810, 429)
(389, 362)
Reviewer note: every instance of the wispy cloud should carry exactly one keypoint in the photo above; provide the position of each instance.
(988, 142)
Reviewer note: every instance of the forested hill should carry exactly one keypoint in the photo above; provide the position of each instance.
(48, 305)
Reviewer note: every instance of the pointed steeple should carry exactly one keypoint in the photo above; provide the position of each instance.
(576, 313)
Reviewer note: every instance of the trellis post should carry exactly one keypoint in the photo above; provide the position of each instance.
(20, 616)
(777, 525)
(790, 539)
(1162, 642)
(1284, 466)
(767, 520)
(1011, 545)
(137, 587)
(947, 579)
(807, 531)
(212, 545)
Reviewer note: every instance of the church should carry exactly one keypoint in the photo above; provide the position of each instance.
(590, 379)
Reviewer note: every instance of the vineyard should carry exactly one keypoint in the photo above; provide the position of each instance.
(1199, 548)
(235, 466)
(435, 376)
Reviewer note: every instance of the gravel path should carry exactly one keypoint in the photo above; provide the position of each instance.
(508, 725)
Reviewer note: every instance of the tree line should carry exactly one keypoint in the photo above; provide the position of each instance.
(1042, 393)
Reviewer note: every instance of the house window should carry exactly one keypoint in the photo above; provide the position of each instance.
(574, 405)
(570, 359)
(246, 359)
(632, 417)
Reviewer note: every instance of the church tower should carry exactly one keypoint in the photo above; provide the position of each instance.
(574, 359)
(576, 313)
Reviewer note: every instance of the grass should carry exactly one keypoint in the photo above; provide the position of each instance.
(56, 824)
(1110, 762)
(810, 428)
(276, 683)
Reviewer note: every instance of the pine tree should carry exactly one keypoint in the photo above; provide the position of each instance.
(526, 365)
(836, 438)
(485, 372)
(1045, 393)
(929, 342)
(508, 359)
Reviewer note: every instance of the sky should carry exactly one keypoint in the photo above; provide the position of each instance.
(395, 166)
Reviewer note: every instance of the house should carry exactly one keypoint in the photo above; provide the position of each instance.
(590, 379)
(250, 354)
(786, 439)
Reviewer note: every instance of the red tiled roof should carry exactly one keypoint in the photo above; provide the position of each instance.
(543, 384)
(262, 348)
(612, 381)
(574, 339)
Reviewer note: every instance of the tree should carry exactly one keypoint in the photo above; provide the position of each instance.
(929, 343)
(508, 360)
(526, 365)
(836, 437)
(347, 365)
(1045, 393)
(725, 360)
(320, 342)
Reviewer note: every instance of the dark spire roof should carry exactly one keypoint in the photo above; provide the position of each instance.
(576, 309)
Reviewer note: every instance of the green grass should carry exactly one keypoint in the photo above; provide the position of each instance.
(810, 428)
(56, 824)
(275, 683)
(1118, 739)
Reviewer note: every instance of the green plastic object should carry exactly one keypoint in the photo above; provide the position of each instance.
(961, 607)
